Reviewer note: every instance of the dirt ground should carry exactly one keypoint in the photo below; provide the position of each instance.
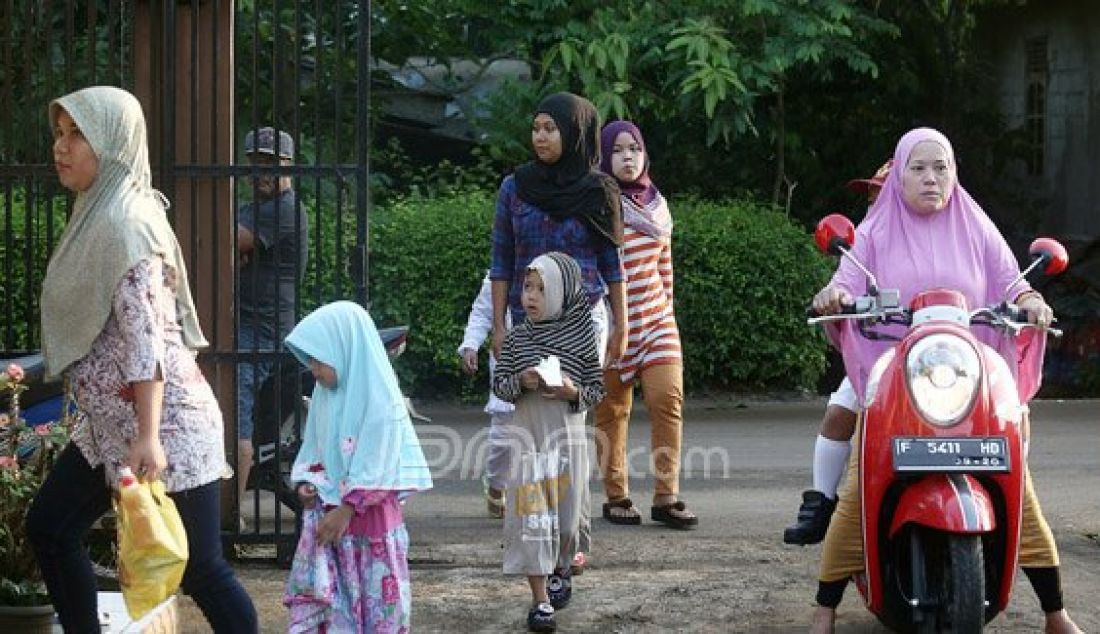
(733, 574)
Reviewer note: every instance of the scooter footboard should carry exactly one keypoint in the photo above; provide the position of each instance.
(951, 502)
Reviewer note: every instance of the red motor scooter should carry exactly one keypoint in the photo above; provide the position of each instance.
(942, 454)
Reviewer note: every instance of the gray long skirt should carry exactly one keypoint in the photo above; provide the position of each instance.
(546, 518)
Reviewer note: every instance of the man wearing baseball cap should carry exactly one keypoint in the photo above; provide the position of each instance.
(871, 186)
(272, 246)
(837, 427)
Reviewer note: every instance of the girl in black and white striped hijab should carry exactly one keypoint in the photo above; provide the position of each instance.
(558, 323)
(545, 521)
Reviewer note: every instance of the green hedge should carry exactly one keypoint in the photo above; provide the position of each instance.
(27, 232)
(744, 274)
(427, 259)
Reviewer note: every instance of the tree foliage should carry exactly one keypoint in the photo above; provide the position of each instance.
(704, 71)
(783, 100)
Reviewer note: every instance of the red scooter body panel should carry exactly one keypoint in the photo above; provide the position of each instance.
(956, 504)
(995, 412)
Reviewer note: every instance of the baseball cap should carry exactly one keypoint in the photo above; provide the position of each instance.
(863, 185)
(262, 141)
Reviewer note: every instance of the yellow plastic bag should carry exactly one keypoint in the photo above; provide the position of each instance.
(152, 545)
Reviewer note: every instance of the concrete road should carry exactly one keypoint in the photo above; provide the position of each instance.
(745, 466)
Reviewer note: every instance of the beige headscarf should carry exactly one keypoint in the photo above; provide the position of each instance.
(119, 221)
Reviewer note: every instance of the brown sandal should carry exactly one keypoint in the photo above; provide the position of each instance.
(495, 506)
(663, 514)
(625, 520)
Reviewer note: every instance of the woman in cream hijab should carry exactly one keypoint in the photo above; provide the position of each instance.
(118, 321)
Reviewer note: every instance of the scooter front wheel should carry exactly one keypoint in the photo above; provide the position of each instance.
(956, 578)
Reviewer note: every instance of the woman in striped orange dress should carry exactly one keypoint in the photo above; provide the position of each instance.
(652, 355)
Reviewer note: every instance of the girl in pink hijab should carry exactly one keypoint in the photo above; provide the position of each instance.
(925, 231)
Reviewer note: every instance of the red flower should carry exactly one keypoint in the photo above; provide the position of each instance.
(390, 591)
(15, 372)
(377, 549)
(8, 462)
(42, 430)
(316, 467)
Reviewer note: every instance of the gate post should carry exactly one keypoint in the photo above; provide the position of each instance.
(183, 76)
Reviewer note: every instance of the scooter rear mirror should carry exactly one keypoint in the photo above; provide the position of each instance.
(1046, 251)
(1051, 252)
(835, 234)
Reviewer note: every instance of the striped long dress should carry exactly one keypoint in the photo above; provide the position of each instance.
(652, 335)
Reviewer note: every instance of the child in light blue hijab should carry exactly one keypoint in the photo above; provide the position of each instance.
(359, 457)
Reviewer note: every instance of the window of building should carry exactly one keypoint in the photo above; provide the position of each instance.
(1035, 114)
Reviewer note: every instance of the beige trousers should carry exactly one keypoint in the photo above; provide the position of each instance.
(663, 392)
(842, 550)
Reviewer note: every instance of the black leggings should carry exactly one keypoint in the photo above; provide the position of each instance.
(1045, 581)
(74, 496)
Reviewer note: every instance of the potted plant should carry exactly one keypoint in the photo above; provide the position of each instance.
(26, 456)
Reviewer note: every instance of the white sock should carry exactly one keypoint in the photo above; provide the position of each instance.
(830, 461)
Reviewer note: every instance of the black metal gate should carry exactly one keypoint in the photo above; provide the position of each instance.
(208, 72)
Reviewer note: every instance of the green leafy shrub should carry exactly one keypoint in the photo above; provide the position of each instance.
(427, 259)
(744, 275)
(28, 231)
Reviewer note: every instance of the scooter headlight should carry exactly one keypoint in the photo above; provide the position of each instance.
(943, 373)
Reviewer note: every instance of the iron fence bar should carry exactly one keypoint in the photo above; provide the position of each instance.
(214, 119)
(299, 273)
(26, 141)
(69, 42)
(112, 54)
(276, 367)
(337, 119)
(318, 154)
(30, 142)
(363, 140)
(9, 194)
(92, 44)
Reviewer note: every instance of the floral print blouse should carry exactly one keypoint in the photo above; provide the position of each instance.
(141, 340)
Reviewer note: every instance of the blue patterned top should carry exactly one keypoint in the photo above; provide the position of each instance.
(522, 232)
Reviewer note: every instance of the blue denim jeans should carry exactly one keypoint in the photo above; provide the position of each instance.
(251, 376)
(74, 496)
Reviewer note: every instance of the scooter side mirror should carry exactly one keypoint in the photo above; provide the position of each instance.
(1051, 252)
(833, 233)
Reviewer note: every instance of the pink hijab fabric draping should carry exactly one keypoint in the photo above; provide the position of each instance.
(957, 247)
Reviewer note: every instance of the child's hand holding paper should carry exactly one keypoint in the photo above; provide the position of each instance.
(549, 370)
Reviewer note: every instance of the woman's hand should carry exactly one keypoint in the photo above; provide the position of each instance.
(307, 493)
(567, 391)
(334, 524)
(616, 347)
(830, 300)
(146, 458)
(469, 361)
(1038, 311)
(529, 379)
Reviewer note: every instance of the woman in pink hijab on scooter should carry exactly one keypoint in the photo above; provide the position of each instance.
(925, 231)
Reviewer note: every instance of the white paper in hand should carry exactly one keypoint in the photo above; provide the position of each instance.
(549, 370)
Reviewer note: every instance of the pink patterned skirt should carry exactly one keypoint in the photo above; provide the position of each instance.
(360, 584)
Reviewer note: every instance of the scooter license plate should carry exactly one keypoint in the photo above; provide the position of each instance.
(951, 454)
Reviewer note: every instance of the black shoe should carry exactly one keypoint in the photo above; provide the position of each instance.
(559, 587)
(541, 618)
(813, 519)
